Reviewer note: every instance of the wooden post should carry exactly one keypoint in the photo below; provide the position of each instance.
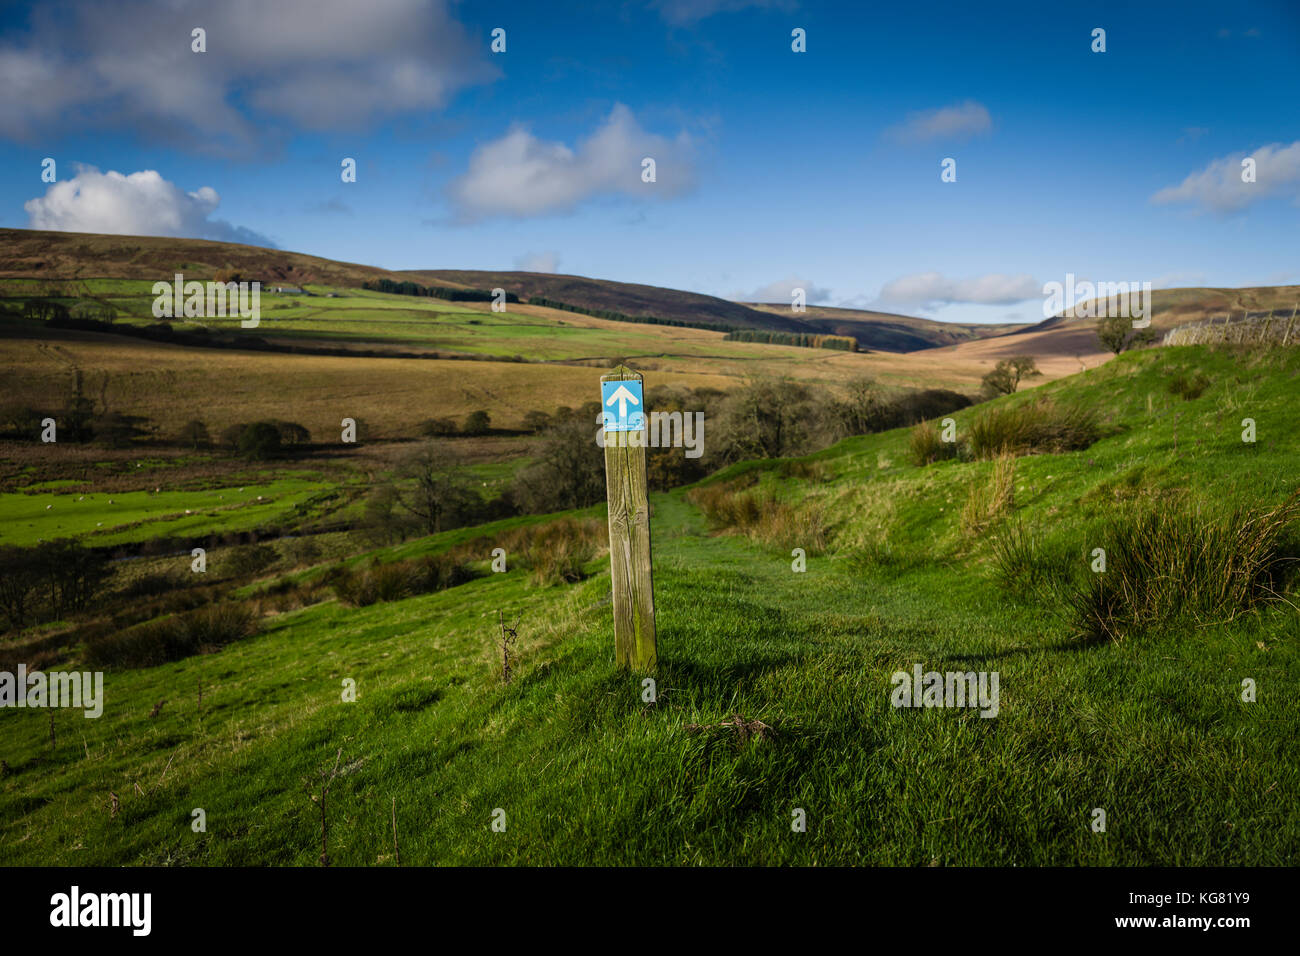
(1286, 338)
(629, 531)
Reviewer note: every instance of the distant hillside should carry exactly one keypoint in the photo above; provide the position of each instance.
(31, 253)
(1064, 343)
(1174, 307)
(887, 331)
(880, 331)
(72, 255)
(69, 255)
(626, 297)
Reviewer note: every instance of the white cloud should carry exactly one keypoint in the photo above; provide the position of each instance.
(315, 63)
(932, 289)
(782, 290)
(957, 122)
(538, 262)
(139, 204)
(1218, 187)
(521, 175)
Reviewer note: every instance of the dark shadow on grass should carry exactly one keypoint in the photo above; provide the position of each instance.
(1075, 645)
(722, 678)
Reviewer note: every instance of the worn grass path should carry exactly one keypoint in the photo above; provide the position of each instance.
(587, 773)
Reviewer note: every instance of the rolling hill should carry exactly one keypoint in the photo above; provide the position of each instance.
(629, 298)
(904, 350)
(63, 256)
(1064, 341)
(879, 331)
(890, 332)
(28, 253)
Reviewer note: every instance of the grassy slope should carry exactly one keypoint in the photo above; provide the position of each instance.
(1152, 729)
(103, 518)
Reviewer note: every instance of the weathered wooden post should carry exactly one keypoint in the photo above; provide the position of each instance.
(622, 403)
(1286, 338)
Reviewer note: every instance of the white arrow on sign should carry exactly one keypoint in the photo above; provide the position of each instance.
(622, 396)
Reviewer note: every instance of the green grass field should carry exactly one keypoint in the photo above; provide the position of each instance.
(102, 518)
(1152, 728)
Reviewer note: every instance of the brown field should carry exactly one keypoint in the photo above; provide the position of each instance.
(171, 384)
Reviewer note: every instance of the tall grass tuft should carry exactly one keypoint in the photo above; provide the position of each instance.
(1037, 426)
(1174, 564)
(1027, 568)
(1189, 387)
(172, 638)
(758, 513)
(396, 580)
(988, 502)
(558, 551)
(927, 445)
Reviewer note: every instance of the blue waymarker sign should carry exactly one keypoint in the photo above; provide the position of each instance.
(622, 406)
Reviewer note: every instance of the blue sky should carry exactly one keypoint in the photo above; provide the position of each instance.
(773, 168)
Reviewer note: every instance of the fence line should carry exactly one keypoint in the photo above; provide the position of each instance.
(1253, 328)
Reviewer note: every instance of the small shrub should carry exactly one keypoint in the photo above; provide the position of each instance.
(303, 551)
(218, 624)
(558, 550)
(437, 573)
(927, 445)
(145, 645)
(188, 598)
(1189, 387)
(477, 423)
(289, 595)
(392, 582)
(194, 433)
(757, 513)
(152, 585)
(1038, 426)
(1025, 567)
(1005, 377)
(355, 589)
(171, 638)
(398, 579)
(259, 441)
(249, 559)
(437, 427)
(814, 471)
